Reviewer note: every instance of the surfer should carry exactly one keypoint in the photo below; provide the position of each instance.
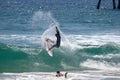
(57, 44)
(58, 74)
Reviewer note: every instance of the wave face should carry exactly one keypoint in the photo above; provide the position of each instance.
(72, 55)
(90, 38)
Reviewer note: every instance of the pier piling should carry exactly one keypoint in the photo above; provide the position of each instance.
(114, 4)
(118, 4)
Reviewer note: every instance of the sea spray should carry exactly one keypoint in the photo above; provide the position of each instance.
(42, 20)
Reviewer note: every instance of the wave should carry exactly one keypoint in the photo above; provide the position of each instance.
(20, 53)
(17, 59)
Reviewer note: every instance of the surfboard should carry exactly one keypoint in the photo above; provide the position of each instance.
(47, 46)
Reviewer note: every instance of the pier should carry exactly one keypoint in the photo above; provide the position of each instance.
(114, 4)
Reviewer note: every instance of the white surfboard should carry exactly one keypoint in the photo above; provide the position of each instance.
(47, 46)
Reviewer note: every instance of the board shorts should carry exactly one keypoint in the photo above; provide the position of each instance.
(58, 42)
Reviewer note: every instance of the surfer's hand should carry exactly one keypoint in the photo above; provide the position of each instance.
(56, 29)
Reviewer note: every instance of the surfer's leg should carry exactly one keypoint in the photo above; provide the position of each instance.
(57, 45)
(52, 47)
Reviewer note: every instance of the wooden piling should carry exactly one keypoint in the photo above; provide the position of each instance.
(99, 2)
(118, 4)
(114, 4)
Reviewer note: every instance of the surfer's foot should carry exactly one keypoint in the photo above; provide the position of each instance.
(49, 49)
(47, 39)
(66, 74)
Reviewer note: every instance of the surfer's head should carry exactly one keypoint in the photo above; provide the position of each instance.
(58, 71)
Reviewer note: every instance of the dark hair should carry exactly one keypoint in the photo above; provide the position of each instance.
(58, 71)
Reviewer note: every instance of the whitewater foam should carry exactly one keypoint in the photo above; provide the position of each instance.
(102, 65)
(107, 56)
(82, 75)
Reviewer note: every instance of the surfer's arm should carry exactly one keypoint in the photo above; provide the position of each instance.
(57, 30)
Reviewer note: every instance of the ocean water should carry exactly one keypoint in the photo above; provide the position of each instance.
(90, 45)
